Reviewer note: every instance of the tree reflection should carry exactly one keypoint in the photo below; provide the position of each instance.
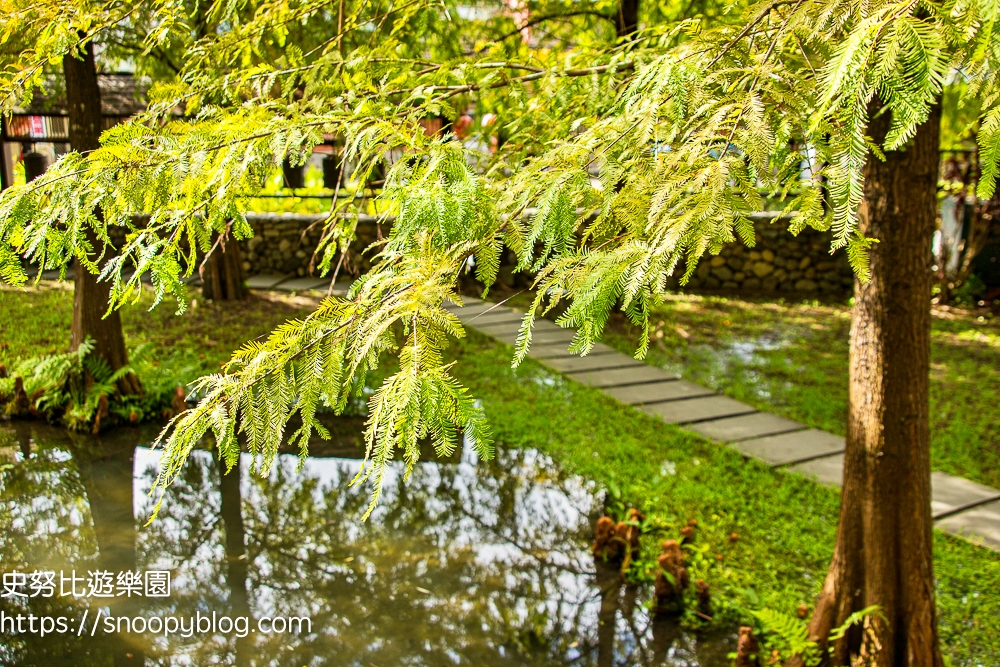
(468, 562)
(105, 467)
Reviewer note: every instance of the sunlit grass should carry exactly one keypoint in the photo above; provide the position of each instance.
(785, 524)
(792, 359)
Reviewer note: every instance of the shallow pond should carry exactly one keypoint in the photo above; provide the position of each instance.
(467, 563)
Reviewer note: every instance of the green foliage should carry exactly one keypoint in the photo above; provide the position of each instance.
(857, 618)
(786, 524)
(790, 635)
(67, 388)
(791, 358)
(970, 291)
(322, 360)
(619, 163)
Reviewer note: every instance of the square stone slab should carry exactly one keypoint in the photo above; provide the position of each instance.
(472, 313)
(53, 274)
(508, 338)
(266, 280)
(657, 392)
(827, 470)
(541, 325)
(497, 316)
(465, 315)
(779, 450)
(697, 409)
(980, 524)
(557, 336)
(576, 364)
(950, 494)
(302, 284)
(469, 309)
(341, 287)
(746, 426)
(509, 331)
(550, 350)
(467, 300)
(497, 328)
(620, 377)
(508, 335)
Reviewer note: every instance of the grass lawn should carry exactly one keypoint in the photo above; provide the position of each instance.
(37, 320)
(784, 524)
(791, 358)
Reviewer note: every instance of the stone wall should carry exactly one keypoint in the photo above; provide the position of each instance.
(778, 263)
(278, 246)
(284, 244)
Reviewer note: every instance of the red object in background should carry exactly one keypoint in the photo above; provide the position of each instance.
(36, 126)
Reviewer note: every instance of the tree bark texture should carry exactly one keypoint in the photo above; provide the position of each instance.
(223, 273)
(627, 18)
(90, 299)
(884, 550)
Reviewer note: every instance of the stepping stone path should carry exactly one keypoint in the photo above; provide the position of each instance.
(745, 427)
(959, 506)
(305, 284)
(792, 447)
(656, 392)
(266, 281)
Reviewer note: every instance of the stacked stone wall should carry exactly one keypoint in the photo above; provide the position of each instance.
(279, 246)
(284, 244)
(777, 263)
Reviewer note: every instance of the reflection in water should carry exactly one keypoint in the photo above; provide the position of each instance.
(467, 563)
(105, 468)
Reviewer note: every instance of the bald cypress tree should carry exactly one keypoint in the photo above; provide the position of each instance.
(684, 126)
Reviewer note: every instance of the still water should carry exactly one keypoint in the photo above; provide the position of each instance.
(467, 563)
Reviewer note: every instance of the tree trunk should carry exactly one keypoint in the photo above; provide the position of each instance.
(223, 273)
(90, 300)
(627, 18)
(884, 548)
